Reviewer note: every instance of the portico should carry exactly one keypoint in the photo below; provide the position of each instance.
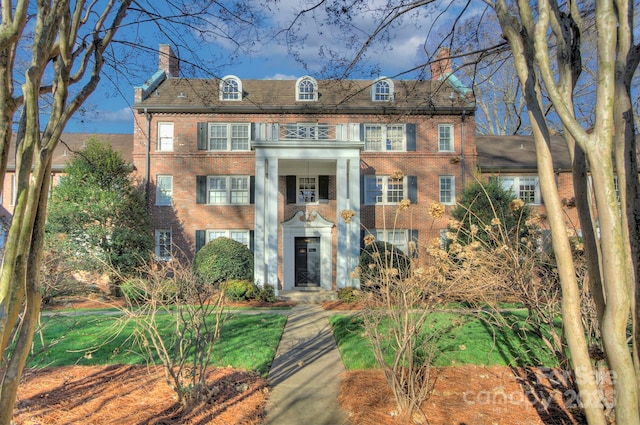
(296, 248)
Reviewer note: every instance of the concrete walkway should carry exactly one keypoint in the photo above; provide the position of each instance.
(306, 372)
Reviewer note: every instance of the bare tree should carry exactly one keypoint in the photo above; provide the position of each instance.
(63, 47)
(59, 47)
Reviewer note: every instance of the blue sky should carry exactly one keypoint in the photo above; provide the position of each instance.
(262, 54)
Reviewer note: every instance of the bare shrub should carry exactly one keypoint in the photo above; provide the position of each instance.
(397, 308)
(177, 320)
(517, 267)
(56, 276)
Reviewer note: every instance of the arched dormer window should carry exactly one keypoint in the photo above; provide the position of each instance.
(230, 88)
(382, 90)
(306, 89)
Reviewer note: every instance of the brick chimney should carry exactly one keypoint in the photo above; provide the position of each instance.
(441, 66)
(168, 61)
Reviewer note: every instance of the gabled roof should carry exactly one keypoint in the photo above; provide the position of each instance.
(517, 153)
(278, 96)
(74, 142)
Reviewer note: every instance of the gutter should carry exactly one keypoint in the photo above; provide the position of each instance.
(236, 109)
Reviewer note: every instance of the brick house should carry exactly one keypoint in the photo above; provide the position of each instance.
(512, 160)
(277, 164)
(69, 144)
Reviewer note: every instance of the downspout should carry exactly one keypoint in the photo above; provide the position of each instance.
(147, 161)
(462, 161)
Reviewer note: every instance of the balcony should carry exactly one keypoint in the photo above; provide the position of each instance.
(305, 133)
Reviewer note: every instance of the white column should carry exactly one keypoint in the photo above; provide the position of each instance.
(354, 227)
(342, 203)
(259, 259)
(271, 224)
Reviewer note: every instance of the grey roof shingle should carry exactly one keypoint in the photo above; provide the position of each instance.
(264, 96)
(517, 153)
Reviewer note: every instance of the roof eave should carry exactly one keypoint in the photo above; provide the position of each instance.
(256, 109)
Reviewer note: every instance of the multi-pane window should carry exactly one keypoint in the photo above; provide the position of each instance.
(306, 89)
(163, 244)
(382, 91)
(397, 237)
(224, 137)
(228, 189)
(524, 188)
(239, 190)
(165, 136)
(445, 138)
(379, 137)
(164, 190)
(384, 190)
(241, 236)
(231, 89)
(447, 189)
(307, 189)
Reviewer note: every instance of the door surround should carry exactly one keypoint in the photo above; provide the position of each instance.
(310, 225)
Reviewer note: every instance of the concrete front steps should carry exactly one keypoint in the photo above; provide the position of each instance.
(308, 295)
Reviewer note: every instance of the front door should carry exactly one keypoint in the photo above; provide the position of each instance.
(307, 261)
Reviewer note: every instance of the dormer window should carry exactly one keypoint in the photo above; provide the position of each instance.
(382, 90)
(306, 89)
(230, 88)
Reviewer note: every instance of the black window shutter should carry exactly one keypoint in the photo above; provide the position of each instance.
(362, 186)
(251, 241)
(201, 189)
(200, 239)
(291, 189)
(362, 235)
(252, 135)
(362, 132)
(413, 189)
(411, 137)
(202, 136)
(323, 187)
(252, 189)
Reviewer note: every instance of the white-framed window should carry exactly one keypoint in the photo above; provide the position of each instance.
(526, 188)
(163, 244)
(384, 137)
(241, 236)
(165, 136)
(447, 186)
(445, 138)
(230, 88)
(164, 189)
(384, 190)
(228, 136)
(307, 189)
(228, 190)
(397, 237)
(306, 89)
(382, 90)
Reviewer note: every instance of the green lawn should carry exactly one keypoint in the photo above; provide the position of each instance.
(247, 342)
(463, 340)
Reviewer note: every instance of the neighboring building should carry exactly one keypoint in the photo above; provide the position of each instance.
(275, 164)
(63, 153)
(512, 160)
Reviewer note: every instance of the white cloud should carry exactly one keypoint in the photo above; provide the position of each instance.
(124, 114)
(280, 76)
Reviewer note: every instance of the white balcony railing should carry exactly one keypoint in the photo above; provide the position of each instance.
(306, 132)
